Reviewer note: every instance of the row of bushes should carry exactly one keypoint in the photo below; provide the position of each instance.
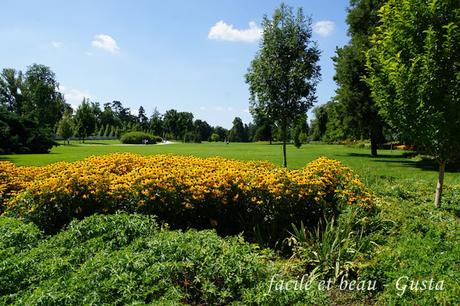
(231, 196)
(126, 259)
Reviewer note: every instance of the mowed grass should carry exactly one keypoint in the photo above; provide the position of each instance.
(391, 164)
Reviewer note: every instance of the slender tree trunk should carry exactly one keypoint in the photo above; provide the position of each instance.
(442, 168)
(373, 142)
(271, 133)
(284, 132)
(284, 153)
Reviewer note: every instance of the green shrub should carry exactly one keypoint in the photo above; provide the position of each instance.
(20, 135)
(127, 259)
(214, 137)
(192, 137)
(138, 138)
(16, 236)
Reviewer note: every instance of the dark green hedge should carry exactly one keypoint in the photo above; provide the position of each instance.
(20, 135)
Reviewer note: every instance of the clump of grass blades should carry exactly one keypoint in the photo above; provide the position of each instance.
(328, 249)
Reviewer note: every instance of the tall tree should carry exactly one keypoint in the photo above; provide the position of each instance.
(42, 100)
(108, 116)
(184, 124)
(282, 77)
(300, 130)
(170, 120)
(65, 127)
(414, 66)
(360, 109)
(237, 132)
(10, 90)
(85, 120)
(222, 132)
(156, 123)
(319, 123)
(202, 129)
(263, 126)
(142, 118)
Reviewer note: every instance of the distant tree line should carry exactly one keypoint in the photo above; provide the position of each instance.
(33, 112)
(113, 119)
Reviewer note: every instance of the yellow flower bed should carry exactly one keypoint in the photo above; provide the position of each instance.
(183, 190)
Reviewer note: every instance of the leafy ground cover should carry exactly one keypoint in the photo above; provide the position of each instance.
(125, 259)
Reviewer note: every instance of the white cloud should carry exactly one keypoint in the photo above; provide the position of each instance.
(246, 110)
(106, 42)
(202, 108)
(224, 31)
(74, 96)
(324, 27)
(57, 44)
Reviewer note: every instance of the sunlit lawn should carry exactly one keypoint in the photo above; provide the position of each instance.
(388, 164)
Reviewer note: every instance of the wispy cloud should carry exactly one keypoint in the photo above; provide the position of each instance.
(224, 31)
(324, 27)
(57, 44)
(105, 42)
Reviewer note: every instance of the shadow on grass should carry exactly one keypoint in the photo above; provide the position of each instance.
(424, 163)
(75, 144)
(452, 210)
(403, 155)
(5, 158)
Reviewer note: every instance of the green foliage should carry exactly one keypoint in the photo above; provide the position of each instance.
(202, 129)
(284, 73)
(263, 126)
(214, 137)
(11, 97)
(414, 72)
(65, 127)
(17, 236)
(330, 248)
(42, 101)
(126, 259)
(414, 240)
(85, 120)
(300, 130)
(222, 132)
(20, 135)
(192, 137)
(358, 114)
(138, 138)
(238, 132)
(177, 123)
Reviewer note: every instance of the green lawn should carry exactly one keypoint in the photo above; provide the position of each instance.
(390, 164)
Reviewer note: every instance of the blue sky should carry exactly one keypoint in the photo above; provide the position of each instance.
(186, 55)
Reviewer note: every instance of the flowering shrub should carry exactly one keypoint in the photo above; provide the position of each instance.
(229, 195)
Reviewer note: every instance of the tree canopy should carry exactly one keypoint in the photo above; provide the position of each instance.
(282, 77)
(414, 66)
(359, 112)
